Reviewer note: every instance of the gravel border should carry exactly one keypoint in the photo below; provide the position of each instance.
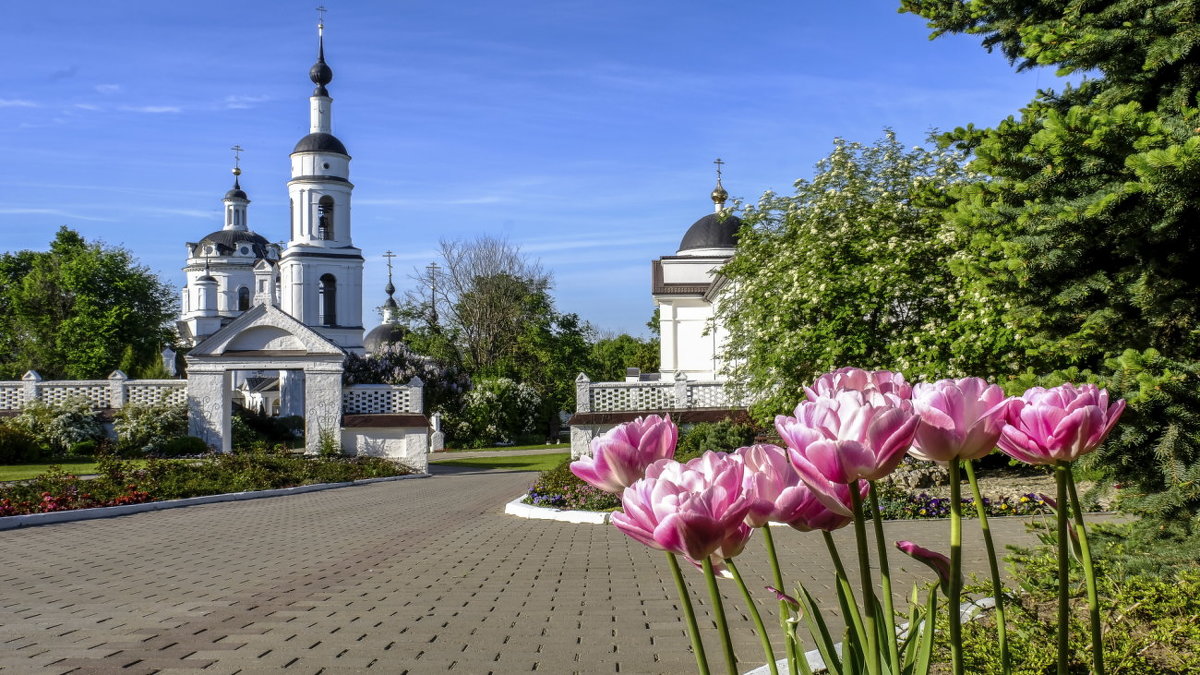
(32, 519)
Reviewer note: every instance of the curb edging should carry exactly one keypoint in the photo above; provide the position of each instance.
(520, 510)
(32, 519)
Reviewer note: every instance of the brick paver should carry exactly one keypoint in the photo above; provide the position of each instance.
(412, 576)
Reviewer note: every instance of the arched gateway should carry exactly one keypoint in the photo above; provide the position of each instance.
(265, 338)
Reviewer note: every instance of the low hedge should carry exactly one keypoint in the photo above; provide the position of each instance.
(123, 482)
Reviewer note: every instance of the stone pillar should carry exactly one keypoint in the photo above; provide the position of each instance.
(31, 379)
(437, 439)
(210, 408)
(416, 395)
(583, 395)
(681, 391)
(118, 394)
(291, 393)
(322, 405)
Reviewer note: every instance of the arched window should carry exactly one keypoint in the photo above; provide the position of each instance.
(243, 299)
(327, 301)
(325, 217)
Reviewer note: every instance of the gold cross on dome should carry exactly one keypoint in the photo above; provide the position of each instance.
(718, 162)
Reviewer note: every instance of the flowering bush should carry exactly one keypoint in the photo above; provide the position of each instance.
(60, 427)
(149, 428)
(494, 410)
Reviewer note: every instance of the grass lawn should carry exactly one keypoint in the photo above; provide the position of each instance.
(23, 471)
(517, 462)
(511, 448)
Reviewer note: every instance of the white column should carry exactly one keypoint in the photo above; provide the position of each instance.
(322, 406)
(210, 409)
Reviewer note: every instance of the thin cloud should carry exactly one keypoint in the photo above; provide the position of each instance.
(17, 103)
(242, 102)
(152, 109)
(64, 73)
(107, 88)
(461, 201)
(51, 212)
(88, 106)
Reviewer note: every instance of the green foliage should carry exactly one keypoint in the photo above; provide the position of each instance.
(723, 436)
(1149, 595)
(495, 410)
(851, 269)
(610, 357)
(18, 446)
(181, 446)
(145, 429)
(74, 311)
(329, 445)
(59, 427)
(560, 488)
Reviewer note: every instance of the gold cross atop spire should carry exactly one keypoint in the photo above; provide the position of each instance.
(719, 195)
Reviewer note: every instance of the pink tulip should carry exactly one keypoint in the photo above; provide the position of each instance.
(960, 419)
(858, 438)
(696, 509)
(621, 456)
(885, 383)
(814, 515)
(1045, 426)
(776, 492)
(936, 561)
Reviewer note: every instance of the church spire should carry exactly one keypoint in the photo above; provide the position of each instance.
(236, 199)
(389, 306)
(719, 195)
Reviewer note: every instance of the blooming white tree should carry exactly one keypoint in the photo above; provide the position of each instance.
(851, 269)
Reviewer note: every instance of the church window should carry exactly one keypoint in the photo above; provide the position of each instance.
(243, 299)
(325, 218)
(327, 301)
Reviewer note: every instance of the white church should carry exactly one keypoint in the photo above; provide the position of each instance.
(272, 324)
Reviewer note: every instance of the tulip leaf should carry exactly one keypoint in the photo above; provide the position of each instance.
(819, 631)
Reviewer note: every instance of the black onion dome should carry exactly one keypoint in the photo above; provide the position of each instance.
(321, 74)
(712, 231)
(228, 241)
(320, 142)
(206, 278)
(384, 335)
(236, 193)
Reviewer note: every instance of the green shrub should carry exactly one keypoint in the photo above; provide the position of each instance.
(83, 449)
(143, 429)
(328, 444)
(182, 445)
(17, 446)
(723, 436)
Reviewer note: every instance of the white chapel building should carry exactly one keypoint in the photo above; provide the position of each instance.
(316, 277)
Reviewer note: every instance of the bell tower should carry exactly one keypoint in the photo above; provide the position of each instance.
(321, 270)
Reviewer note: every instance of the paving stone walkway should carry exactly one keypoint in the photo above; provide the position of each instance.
(421, 576)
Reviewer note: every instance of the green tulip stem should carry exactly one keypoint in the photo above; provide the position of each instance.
(864, 573)
(889, 610)
(785, 612)
(755, 616)
(719, 616)
(1089, 576)
(833, 555)
(1064, 614)
(997, 589)
(955, 585)
(689, 614)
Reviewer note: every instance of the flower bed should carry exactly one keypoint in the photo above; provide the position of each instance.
(123, 482)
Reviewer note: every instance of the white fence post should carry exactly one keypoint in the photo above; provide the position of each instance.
(416, 397)
(583, 394)
(681, 391)
(31, 380)
(117, 393)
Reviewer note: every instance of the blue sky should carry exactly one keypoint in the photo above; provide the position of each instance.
(584, 132)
